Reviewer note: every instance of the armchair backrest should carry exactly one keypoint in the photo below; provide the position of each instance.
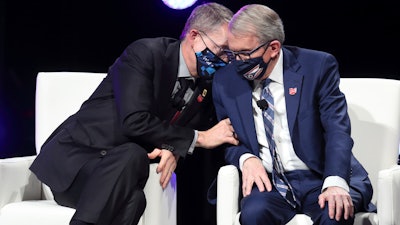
(374, 109)
(59, 95)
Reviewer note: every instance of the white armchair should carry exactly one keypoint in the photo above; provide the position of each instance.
(374, 109)
(24, 200)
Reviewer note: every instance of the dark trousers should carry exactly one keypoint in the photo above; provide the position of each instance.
(270, 208)
(104, 197)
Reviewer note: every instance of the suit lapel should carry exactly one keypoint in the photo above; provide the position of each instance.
(244, 107)
(167, 81)
(292, 84)
(292, 88)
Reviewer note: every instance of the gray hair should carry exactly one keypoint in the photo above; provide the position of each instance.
(258, 20)
(207, 17)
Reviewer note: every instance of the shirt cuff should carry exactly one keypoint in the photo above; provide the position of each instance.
(191, 148)
(335, 181)
(243, 158)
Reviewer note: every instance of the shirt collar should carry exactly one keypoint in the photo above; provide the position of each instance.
(183, 70)
(277, 73)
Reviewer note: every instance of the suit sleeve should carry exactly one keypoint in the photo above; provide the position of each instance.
(335, 122)
(133, 74)
(232, 153)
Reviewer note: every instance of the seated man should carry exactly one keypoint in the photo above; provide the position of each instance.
(284, 102)
(97, 160)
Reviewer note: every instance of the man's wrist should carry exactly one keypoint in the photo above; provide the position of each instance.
(335, 181)
(243, 158)
(200, 139)
(193, 145)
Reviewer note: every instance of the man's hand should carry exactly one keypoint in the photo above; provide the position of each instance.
(254, 172)
(339, 203)
(166, 165)
(219, 134)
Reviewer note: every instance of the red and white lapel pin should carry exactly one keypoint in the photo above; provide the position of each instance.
(292, 90)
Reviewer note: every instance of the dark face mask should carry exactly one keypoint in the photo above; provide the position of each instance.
(208, 63)
(251, 69)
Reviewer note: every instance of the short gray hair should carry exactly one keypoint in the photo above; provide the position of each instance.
(207, 17)
(258, 20)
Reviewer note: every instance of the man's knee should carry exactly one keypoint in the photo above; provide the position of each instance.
(132, 163)
(253, 213)
(257, 211)
(134, 156)
(265, 208)
(324, 218)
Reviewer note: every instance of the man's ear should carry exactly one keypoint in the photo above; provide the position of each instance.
(192, 34)
(275, 47)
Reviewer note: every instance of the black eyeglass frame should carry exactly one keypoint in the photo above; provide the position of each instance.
(221, 51)
(246, 55)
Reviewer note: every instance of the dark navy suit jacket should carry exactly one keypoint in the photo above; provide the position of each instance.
(317, 116)
(132, 104)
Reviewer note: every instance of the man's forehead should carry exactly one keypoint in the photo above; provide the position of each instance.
(219, 40)
(220, 36)
(242, 42)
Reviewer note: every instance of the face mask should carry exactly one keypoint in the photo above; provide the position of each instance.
(208, 63)
(251, 69)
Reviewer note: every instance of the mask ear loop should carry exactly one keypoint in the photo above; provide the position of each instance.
(199, 34)
(201, 37)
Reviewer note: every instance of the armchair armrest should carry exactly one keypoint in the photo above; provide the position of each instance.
(227, 195)
(388, 190)
(160, 209)
(228, 199)
(160, 202)
(18, 183)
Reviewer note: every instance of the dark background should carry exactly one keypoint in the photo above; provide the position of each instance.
(88, 35)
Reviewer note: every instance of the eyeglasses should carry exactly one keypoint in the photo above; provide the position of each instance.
(243, 55)
(220, 52)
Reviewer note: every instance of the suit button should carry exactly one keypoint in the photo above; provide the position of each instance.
(103, 152)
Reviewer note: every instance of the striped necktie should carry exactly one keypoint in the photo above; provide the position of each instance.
(278, 176)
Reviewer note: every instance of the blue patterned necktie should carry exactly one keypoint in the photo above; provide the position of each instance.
(278, 177)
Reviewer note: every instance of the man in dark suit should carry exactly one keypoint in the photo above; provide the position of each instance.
(303, 163)
(97, 160)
